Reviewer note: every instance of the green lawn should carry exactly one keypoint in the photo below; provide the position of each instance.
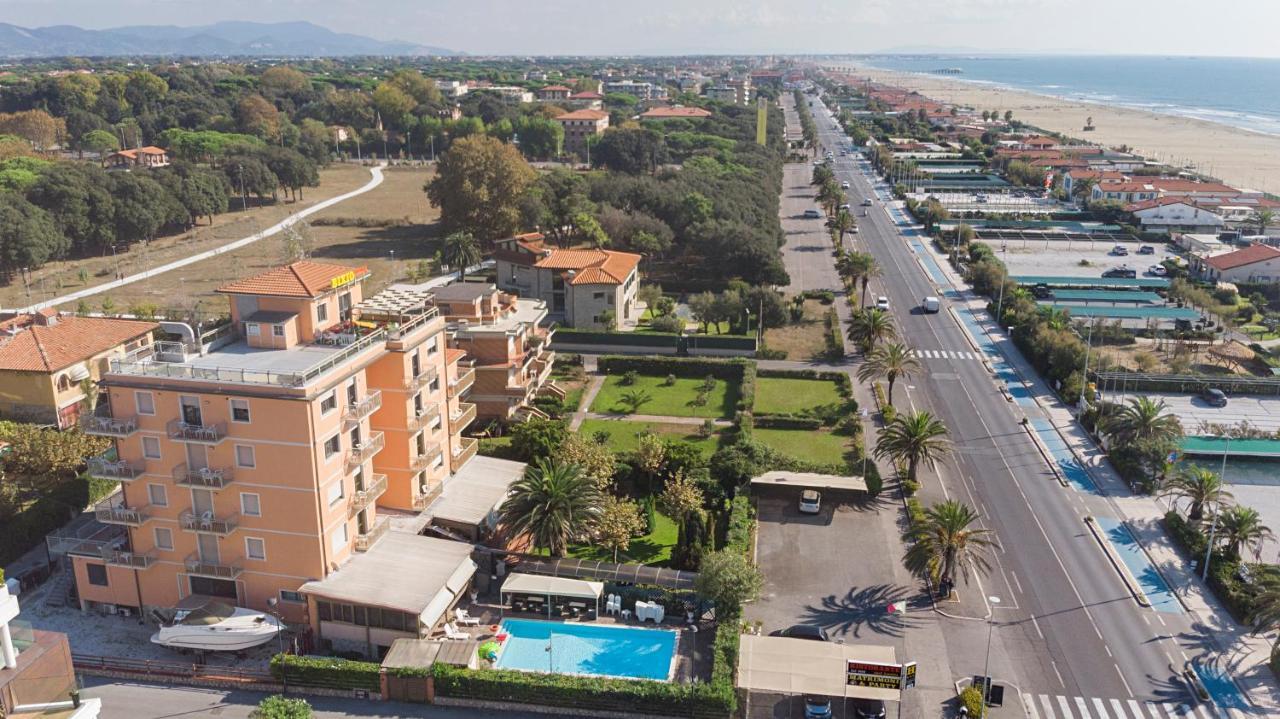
(673, 401)
(781, 395)
(813, 446)
(623, 434)
(653, 548)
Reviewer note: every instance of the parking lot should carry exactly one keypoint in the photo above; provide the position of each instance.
(1260, 412)
(995, 202)
(1063, 258)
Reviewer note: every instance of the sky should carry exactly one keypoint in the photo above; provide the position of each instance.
(611, 27)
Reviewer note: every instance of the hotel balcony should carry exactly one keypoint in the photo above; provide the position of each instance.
(422, 501)
(108, 426)
(370, 537)
(374, 488)
(353, 413)
(466, 449)
(214, 570)
(180, 431)
(361, 453)
(114, 469)
(111, 512)
(132, 560)
(459, 420)
(543, 365)
(202, 477)
(462, 383)
(208, 524)
(422, 379)
(424, 418)
(424, 461)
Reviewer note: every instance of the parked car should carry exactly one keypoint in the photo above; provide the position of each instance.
(1157, 271)
(1119, 251)
(817, 708)
(1041, 291)
(1146, 250)
(1120, 272)
(844, 185)
(930, 304)
(882, 303)
(868, 708)
(812, 214)
(1214, 397)
(846, 207)
(810, 501)
(811, 632)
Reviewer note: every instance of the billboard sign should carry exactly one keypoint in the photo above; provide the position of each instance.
(881, 675)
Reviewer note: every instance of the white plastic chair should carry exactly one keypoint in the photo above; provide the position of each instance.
(464, 618)
(451, 632)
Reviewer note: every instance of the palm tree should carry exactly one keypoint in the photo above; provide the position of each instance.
(1056, 318)
(551, 505)
(1201, 487)
(1263, 217)
(870, 269)
(843, 223)
(1143, 419)
(913, 438)
(1083, 188)
(830, 196)
(1266, 608)
(890, 362)
(462, 250)
(869, 327)
(1242, 528)
(946, 544)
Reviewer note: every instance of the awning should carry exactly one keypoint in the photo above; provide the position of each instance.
(809, 480)
(783, 665)
(405, 572)
(476, 490)
(553, 586)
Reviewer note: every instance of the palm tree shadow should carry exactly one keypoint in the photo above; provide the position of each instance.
(859, 609)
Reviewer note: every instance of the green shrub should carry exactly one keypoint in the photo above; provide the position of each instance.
(669, 324)
(786, 421)
(874, 483)
(328, 672)
(971, 700)
(910, 487)
(279, 707)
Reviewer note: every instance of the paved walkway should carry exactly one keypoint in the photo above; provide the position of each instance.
(594, 383)
(373, 182)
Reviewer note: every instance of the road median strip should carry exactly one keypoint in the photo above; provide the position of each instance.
(1126, 576)
(1044, 452)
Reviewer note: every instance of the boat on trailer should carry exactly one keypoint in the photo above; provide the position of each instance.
(209, 625)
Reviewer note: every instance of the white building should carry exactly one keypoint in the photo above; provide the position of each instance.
(1256, 263)
(1170, 214)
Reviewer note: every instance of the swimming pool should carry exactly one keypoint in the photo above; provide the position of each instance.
(565, 648)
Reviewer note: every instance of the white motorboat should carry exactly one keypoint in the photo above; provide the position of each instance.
(214, 627)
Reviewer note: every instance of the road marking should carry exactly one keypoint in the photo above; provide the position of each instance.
(1066, 708)
(1016, 582)
(1122, 679)
(1048, 706)
(1036, 624)
(1118, 708)
(1084, 708)
(1104, 646)
(1136, 708)
(1029, 705)
(1055, 671)
(1101, 708)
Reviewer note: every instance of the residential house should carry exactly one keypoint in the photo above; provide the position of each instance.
(643, 91)
(1071, 177)
(47, 358)
(676, 112)
(1167, 215)
(277, 457)
(721, 93)
(583, 288)
(36, 675)
(149, 156)
(580, 126)
(1149, 188)
(1255, 263)
(554, 93)
(586, 100)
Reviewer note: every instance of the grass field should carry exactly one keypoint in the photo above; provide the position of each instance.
(398, 200)
(812, 446)
(782, 395)
(673, 401)
(653, 548)
(803, 340)
(623, 434)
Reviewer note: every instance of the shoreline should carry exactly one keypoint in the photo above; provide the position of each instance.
(1241, 157)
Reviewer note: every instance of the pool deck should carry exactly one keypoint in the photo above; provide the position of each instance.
(693, 648)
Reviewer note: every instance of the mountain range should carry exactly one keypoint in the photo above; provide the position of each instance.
(219, 39)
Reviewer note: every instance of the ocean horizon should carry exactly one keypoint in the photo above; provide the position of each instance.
(1240, 92)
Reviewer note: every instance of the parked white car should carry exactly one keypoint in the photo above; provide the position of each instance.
(810, 502)
(882, 303)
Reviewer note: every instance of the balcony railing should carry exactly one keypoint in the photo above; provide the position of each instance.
(108, 426)
(466, 449)
(366, 540)
(214, 570)
(365, 407)
(116, 469)
(400, 330)
(181, 431)
(361, 453)
(202, 477)
(424, 461)
(111, 512)
(133, 560)
(207, 523)
(462, 383)
(463, 417)
(424, 418)
(422, 379)
(364, 497)
(544, 365)
(422, 501)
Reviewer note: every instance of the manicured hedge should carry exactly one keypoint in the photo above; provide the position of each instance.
(745, 343)
(726, 369)
(330, 672)
(843, 385)
(631, 339)
(787, 421)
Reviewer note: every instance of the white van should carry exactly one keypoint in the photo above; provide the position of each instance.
(931, 304)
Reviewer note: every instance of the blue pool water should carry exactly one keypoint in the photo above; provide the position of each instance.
(587, 649)
(1153, 585)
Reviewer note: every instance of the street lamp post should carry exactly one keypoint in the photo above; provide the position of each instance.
(986, 670)
(1004, 278)
(1217, 512)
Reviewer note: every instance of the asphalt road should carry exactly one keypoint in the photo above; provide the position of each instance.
(1066, 625)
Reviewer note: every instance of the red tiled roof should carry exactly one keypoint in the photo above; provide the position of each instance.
(583, 115)
(1160, 202)
(68, 341)
(588, 95)
(1240, 258)
(665, 113)
(592, 267)
(555, 88)
(148, 150)
(300, 279)
(452, 355)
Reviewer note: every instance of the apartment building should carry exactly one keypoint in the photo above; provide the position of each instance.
(580, 126)
(277, 459)
(583, 288)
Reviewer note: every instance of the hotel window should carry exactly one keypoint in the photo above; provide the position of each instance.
(597, 295)
(245, 456)
(146, 402)
(255, 548)
(287, 595)
(151, 447)
(164, 538)
(337, 491)
(433, 345)
(339, 539)
(435, 423)
(434, 386)
(240, 410)
(329, 403)
(322, 312)
(158, 495)
(332, 446)
(97, 574)
(250, 504)
(277, 330)
(251, 329)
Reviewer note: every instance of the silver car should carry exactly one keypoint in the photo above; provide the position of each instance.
(810, 502)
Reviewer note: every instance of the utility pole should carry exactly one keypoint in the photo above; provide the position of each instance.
(986, 671)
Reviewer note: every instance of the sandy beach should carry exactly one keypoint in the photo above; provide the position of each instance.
(1238, 157)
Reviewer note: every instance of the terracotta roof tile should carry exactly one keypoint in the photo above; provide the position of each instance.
(583, 115)
(70, 340)
(662, 113)
(300, 279)
(452, 355)
(1240, 258)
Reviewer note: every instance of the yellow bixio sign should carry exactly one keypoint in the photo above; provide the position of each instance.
(343, 279)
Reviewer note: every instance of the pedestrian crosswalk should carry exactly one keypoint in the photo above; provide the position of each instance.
(1047, 706)
(948, 354)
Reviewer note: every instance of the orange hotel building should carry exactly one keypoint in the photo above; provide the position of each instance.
(276, 465)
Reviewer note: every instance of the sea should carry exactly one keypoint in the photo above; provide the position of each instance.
(1242, 92)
